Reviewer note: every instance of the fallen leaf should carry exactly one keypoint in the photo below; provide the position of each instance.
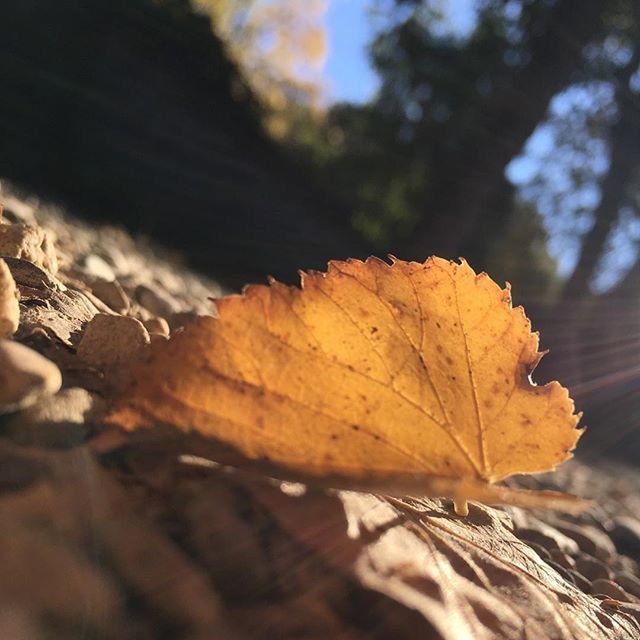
(443, 577)
(473, 578)
(47, 307)
(404, 378)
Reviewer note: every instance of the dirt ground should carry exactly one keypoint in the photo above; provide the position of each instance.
(153, 537)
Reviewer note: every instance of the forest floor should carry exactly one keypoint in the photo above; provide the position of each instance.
(145, 538)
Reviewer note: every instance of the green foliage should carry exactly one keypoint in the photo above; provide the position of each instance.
(427, 157)
(422, 167)
(520, 256)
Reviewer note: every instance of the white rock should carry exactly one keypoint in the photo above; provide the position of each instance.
(30, 243)
(96, 267)
(9, 308)
(25, 376)
(110, 340)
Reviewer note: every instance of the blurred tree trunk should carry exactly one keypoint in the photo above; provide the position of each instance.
(601, 325)
(624, 148)
(594, 339)
(476, 194)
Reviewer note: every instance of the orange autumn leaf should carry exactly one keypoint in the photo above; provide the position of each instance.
(407, 377)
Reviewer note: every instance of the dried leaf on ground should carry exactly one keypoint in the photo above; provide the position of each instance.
(407, 377)
(464, 578)
(47, 306)
(474, 579)
(139, 544)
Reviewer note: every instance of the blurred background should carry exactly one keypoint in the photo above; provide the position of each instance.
(263, 136)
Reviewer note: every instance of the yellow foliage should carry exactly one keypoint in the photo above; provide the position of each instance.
(406, 376)
(281, 46)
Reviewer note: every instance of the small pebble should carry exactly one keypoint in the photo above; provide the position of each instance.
(629, 565)
(25, 376)
(537, 537)
(56, 421)
(156, 301)
(581, 582)
(591, 541)
(545, 534)
(157, 326)
(591, 568)
(610, 589)
(94, 266)
(30, 243)
(628, 582)
(112, 294)
(625, 534)
(9, 307)
(562, 559)
(110, 340)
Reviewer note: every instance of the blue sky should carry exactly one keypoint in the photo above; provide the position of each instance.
(350, 77)
(348, 72)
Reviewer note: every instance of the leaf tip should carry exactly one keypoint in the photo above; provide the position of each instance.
(374, 260)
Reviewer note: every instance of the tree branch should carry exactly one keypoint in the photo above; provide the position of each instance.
(476, 198)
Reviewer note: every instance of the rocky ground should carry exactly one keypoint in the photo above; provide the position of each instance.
(147, 539)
